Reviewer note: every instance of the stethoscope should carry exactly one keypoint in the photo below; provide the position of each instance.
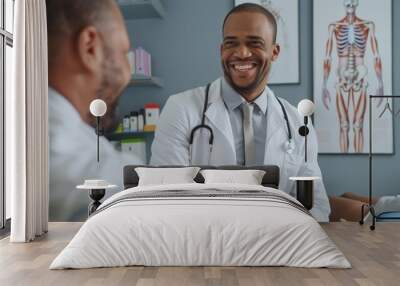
(289, 144)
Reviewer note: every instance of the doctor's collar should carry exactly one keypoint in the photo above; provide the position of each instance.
(233, 99)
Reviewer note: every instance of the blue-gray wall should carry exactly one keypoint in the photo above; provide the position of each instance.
(185, 51)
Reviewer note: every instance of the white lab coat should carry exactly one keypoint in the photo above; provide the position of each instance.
(73, 159)
(183, 112)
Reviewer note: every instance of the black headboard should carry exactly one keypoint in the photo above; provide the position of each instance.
(270, 179)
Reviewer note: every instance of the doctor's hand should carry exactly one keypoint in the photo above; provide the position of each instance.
(326, 97)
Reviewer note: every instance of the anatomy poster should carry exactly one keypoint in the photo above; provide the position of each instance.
(352, 60)
(286, 68)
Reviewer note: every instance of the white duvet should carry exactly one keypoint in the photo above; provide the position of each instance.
(200, 231)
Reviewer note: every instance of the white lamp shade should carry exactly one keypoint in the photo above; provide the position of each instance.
(306, 107)
(98, 107)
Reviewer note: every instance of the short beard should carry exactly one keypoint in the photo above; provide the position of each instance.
(244, 90)
(110, 120)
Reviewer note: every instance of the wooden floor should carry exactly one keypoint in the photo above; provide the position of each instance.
(375, 257)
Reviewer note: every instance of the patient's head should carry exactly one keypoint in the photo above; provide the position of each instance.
(88, 46)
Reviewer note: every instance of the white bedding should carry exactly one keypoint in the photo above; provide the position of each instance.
(200, 231)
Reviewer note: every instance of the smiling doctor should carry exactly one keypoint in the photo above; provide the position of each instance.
(237, 119)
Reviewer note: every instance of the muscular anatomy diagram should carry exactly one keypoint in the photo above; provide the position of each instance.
(351, 35)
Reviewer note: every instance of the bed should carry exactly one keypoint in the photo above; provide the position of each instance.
(198, 224)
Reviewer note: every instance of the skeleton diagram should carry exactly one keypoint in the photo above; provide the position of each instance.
(351, 35)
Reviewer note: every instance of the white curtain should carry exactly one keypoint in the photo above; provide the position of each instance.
(27, 124)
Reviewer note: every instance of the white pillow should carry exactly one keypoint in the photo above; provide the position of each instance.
(165, 176)
(248, 177)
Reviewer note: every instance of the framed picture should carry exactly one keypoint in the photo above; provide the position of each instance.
(352, 60)
(287, 15)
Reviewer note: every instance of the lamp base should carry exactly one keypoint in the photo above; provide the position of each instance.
(305, 190)
(96, 195)
(305, 193)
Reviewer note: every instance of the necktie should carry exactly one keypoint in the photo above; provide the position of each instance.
(249, 146)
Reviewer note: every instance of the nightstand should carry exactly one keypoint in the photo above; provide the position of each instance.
(97, 190)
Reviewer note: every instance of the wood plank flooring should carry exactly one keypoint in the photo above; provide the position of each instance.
(375, 257)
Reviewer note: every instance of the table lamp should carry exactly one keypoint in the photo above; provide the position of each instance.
(98, 108)
(305, 184)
